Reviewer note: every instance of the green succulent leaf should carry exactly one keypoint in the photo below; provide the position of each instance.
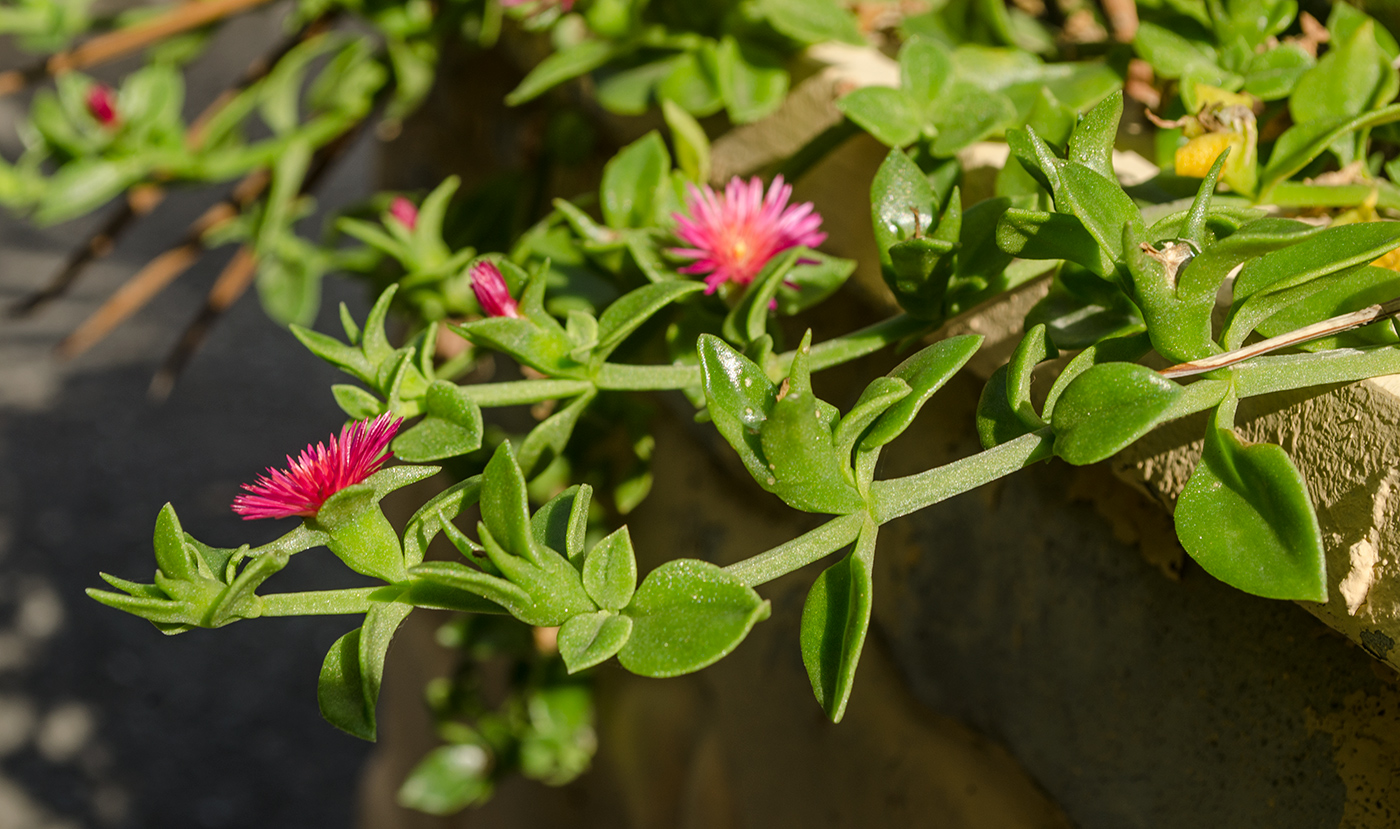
(1301, 143)
(538, 341)
(686, 615)
(610, 571)
(835, 619)
(691, 144)
(925, 372)
(1358, 289)
(593, 638)
(632, 182)
(1275, 73)
(812, 21)
(1108, 407)
(1344, 82)
(1317, 253)
(892, 116)
(1246, 518)
(814, 278)
(173, 557)
(1035, 348)
(360, 535)
(1100, 205)
(505, 506)
(1175, 56)
(1128, 348)
(1034, 234)
(356, 402)
(434, 517)
(739, 397)
(452, 427)
(874, 401)
(752, 81)
(1091, 142)
(448, 779)
(805, 466)
(903, 203)
(748, 320)
(562, 523)
(348, 689)
(564, 65)
(1209, 268)
(997, 421)
(970, 114)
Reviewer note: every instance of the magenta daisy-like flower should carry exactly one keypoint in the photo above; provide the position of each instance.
(320, 471)
(731, 237)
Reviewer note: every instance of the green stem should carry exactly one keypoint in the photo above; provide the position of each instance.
(318, 602)
(1197, 397)
(799, 552)
(523, 392)
(1300, 194)
(900, 496)
(833, 352)
(1263, 375)
(619, 377)
(856, 344)
(1284, 372)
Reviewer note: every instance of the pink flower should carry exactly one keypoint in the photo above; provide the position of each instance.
(404, 212)
(491, 292)
(101, 105)
(732, 237)
(320, 471)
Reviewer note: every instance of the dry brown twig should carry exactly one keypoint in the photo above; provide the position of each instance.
(1326, 328)
(162, 270)
(238, 275)
(1122, 18)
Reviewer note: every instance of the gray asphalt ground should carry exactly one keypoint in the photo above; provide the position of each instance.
(104, 722)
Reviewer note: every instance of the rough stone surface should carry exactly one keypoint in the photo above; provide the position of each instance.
(1135, 700)
(1346, 442)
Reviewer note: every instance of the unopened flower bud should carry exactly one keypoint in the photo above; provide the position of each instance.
(491, 291)
(404, 212)
(101, 104)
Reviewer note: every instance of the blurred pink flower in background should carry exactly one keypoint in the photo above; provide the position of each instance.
(102, 104)
(404, 211)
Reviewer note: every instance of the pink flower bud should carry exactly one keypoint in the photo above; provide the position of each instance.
(101, 105)
(404, 212)
(491, 291)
